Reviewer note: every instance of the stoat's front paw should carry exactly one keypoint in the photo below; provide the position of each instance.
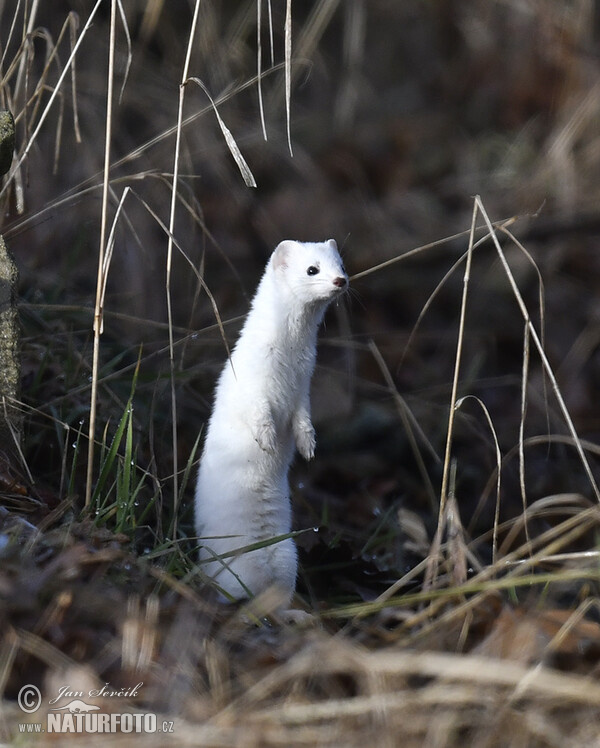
(266, 437)
(306, 442)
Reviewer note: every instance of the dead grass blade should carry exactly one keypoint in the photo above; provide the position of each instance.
(229, 139)
(498, 468)
(261, 107)
(457, 547)
(288, 72)
(425, 247)
(410, 425)
(73, 27)
(524, 379)
(110, 245)
(271, 38)
(127, 66)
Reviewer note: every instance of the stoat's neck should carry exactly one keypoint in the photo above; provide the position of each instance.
(279, 320)
(298, 322)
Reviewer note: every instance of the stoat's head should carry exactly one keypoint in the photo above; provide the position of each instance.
(311, 272)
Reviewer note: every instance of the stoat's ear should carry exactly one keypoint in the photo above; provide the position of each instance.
(281, 254)
(332, 243)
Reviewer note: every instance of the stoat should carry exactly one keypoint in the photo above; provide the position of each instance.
(261, 413)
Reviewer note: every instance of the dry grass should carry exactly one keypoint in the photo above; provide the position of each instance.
(453, 567)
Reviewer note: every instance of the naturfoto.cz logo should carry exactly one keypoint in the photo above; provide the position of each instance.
(77, 716)
(93, 722)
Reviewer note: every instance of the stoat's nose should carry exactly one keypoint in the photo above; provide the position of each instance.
(340, 281)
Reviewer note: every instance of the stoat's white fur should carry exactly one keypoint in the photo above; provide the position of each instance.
(261, 412)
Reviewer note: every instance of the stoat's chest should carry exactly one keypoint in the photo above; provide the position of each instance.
(291, 361)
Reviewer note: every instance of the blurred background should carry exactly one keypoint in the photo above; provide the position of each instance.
(400, 114)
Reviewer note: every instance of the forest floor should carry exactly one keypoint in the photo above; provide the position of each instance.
(448, 527)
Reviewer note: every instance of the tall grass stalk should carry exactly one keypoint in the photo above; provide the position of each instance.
(170, 255)
(437, 541)
(100, 280)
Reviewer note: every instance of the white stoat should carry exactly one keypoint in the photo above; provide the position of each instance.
(261, 413)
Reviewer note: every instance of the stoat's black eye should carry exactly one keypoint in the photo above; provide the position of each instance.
(312, 270)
